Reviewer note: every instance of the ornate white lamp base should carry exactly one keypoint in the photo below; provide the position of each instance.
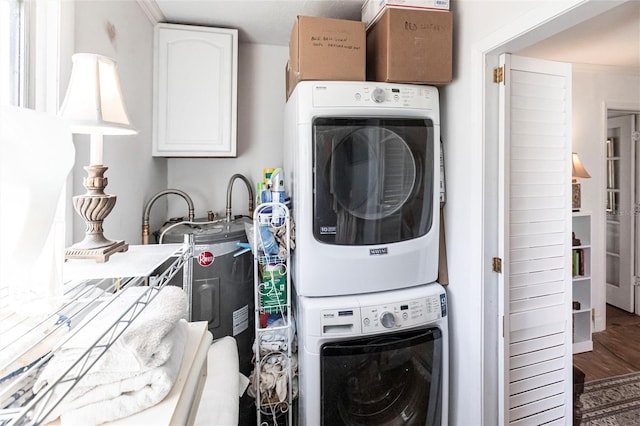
(94, 206)
(100, 255)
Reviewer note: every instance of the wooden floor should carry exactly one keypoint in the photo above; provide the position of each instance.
(616, 350)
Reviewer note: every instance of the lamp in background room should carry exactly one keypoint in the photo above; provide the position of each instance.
(93, 105)
(577, 172)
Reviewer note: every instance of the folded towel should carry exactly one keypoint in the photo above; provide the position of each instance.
(141, 346)
(105, 396)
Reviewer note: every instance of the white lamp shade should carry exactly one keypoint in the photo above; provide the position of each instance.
(93, 103)
(577, 169)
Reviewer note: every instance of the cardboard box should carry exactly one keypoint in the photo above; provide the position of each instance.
(372, 9)
(326, 49)
(411, 46)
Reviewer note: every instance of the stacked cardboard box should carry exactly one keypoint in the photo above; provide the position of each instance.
(410, 45)
(326, 49)
(372, 9)
(408, 41)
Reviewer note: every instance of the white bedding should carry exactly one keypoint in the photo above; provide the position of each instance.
(220, 400)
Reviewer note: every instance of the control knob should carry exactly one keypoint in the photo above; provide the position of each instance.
(388, 320)
(378, 95)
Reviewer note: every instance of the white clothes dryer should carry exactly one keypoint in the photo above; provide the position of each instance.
(362, 169)
(374, 359)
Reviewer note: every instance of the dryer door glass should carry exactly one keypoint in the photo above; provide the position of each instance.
(373, 180)
(394, 379)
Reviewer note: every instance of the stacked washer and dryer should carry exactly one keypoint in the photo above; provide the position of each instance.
(362, 164)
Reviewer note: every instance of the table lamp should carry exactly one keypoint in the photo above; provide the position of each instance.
(577, 171)
(93, 105)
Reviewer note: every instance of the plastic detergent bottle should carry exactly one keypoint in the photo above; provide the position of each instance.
(277, 186)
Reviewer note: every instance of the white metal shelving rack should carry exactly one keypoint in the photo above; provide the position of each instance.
(151, 266)
(274, 340)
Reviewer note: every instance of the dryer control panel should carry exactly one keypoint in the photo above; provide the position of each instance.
(390, 95)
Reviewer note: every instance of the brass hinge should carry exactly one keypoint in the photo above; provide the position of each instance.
(498, 75)
(497, 265)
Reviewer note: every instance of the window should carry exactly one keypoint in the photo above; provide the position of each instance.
(30, 49)
(13, 52)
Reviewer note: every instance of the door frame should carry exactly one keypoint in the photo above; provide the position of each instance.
(540, 23)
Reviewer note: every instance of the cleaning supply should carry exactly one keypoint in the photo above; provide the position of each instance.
(277, 186)
(266, 175)
(269, 244)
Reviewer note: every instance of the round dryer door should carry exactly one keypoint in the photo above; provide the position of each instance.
(372, 180)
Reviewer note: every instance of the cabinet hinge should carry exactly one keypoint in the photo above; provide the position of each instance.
(498, 75)
(497, 265)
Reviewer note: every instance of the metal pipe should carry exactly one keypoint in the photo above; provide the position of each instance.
(147, 210)
(229, 190)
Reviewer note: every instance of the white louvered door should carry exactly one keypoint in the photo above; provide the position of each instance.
(535, 150)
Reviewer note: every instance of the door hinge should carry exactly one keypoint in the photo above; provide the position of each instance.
(635, 136)
(498, 75)
(497, 265)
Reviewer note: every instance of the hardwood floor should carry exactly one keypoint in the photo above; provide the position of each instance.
(616, 350)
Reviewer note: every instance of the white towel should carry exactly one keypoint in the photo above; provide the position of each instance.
(139, 357)
(141, 346)
(105, 396)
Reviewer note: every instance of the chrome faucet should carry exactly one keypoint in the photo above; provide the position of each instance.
(147, 210)
(229, 190)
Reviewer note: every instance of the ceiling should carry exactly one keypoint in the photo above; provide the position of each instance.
(257, 21)
(612, 38)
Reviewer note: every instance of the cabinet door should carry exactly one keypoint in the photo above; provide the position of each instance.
(195, 86)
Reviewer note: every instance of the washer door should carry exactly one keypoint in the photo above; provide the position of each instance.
(388, 380)
(373, 180)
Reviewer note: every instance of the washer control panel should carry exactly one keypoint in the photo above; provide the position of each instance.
(396, 315)
(349, 319)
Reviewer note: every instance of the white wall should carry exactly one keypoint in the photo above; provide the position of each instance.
(133, 174)
(469, 129)
(261, 99)
(593, 89)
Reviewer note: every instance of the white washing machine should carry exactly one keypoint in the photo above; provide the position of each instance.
(362, 169)
(374, 359)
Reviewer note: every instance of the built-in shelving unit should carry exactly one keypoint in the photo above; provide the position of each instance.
(582, 310)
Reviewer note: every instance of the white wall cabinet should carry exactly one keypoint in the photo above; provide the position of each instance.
(195, 91)
(581, 299)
